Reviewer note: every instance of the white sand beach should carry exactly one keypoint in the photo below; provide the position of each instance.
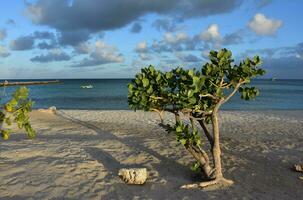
(77, 155)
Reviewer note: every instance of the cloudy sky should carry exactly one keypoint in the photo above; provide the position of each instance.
(115, 38)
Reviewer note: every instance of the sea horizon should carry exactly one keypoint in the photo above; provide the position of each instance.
(111, 94)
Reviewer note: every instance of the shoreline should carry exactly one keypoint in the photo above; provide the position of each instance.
(77, 154)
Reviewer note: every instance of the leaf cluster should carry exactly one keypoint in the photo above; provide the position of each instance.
(194, 93)
(17, 110)
(194, 89)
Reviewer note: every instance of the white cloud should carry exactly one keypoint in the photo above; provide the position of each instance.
(211, 34)
(51, 56)
(143, 51)
(141, 47)
(175, 38)
(3, 52)
(145, 56)
(262, 25)
(106, 52)
(99, 53)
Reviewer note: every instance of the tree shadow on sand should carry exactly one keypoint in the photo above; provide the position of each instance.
(178, 170)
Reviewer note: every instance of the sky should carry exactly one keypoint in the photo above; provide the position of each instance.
(43, 39)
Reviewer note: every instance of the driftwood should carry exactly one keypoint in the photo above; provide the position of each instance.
(136, 176)
(6, 83)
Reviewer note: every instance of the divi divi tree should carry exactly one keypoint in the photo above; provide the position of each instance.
(16, 110)
(196, 95)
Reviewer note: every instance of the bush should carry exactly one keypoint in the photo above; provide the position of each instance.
(198, 95)
(16, 110)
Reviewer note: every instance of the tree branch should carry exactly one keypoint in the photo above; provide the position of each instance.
(206, 132)
(232, 93)
(208, 95)
(189, 112)
(157, 98)
(160, 113)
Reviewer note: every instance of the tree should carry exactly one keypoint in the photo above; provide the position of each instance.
(16, 110)
(197, 96)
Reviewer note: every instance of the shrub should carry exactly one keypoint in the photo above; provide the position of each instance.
(197, 95)
(16, 110)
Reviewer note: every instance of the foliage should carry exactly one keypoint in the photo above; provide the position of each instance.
(196, 95)
(16, 110)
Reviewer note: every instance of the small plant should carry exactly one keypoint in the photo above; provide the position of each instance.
(196, 95)
(17, 110)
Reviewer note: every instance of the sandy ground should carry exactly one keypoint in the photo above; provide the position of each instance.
(77, 155)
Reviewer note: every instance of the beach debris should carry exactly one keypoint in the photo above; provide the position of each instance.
(136, 176)
(299, 168)
(87, 86)
(53, 108)
(50, 110)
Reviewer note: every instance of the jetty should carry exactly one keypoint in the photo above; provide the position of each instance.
(7, 83)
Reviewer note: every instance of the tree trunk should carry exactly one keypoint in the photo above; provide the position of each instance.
(202, 158)
(206, 132)
(216, 148)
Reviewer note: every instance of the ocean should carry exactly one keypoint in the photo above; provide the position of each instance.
(111, 94)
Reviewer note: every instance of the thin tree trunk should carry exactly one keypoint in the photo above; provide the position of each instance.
(206, 132)
(216, 149)
(202, 158)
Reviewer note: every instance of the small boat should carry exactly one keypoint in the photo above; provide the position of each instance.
(86, 86)
(273, 79)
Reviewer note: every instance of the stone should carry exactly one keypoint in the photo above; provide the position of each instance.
(53, 108)
(299, 168)
(50, 110)
(136, 176)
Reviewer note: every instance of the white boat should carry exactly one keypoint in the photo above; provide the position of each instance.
(87, 86)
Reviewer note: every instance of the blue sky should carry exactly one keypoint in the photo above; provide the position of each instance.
(114, 39)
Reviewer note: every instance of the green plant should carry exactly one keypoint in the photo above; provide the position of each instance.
(16, 110)
(196, 95)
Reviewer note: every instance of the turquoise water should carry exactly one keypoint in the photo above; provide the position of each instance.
(110, 94)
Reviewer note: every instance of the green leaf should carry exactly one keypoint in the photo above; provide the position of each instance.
(145, 82)
(190, 93)
(192, 100)
(150, 90)
(195, 167)
(182, 141)
(5, 134)
(191, 73)
(179, 129)
(168, 75)
(158, 77)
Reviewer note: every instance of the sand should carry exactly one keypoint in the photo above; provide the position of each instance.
(77, 155)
